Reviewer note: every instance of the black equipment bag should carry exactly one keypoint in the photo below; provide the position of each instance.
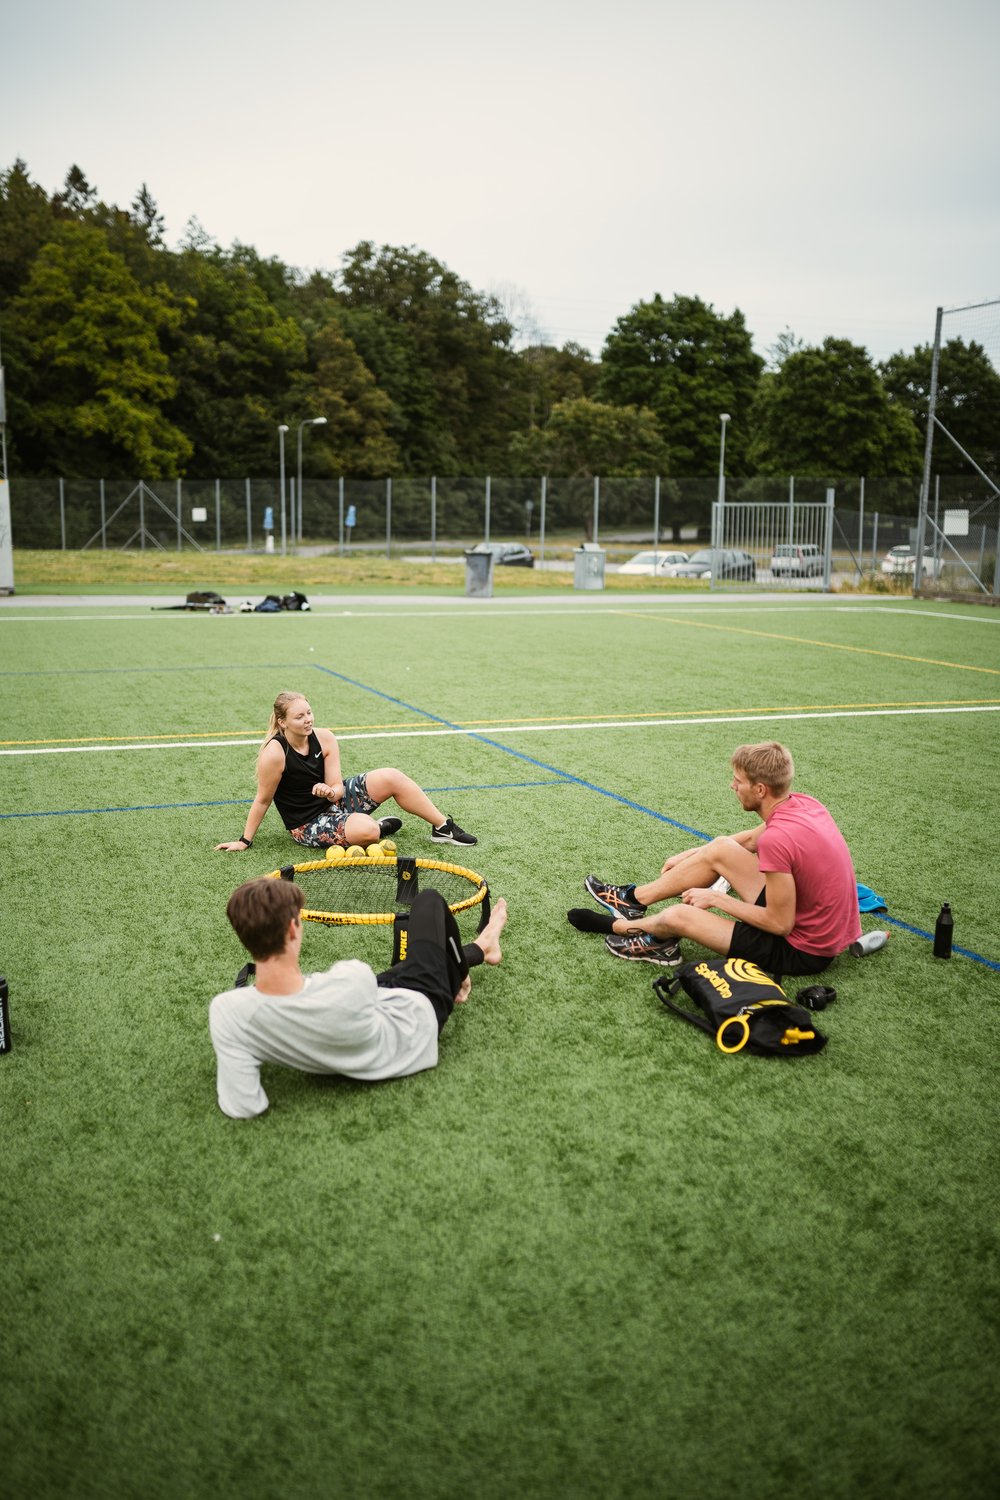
(742, 1009)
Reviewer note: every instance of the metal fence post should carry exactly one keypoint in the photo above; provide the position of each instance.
(388, 518)
(434, 507)
(142, 515)
(249, 517)
(861, 525)
(874, 539)
(656, 518)
(541, 520)
(178, 515)
(218, 515)
(340, 496)
(925, 487)
(936, 539)
(62, 512)
(104, 537)
(828, 540)
(595, 523)
(486, 522)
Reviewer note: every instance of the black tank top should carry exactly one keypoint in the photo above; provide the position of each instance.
(294, 796)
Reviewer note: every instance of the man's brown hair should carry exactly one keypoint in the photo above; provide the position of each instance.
(768, 762)
(260, 911)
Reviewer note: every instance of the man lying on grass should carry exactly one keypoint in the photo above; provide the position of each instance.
(794, 905)
(347, 1020)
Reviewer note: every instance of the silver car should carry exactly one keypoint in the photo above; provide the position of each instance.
(800, 561)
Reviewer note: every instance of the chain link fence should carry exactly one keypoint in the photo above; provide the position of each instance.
(441, 518)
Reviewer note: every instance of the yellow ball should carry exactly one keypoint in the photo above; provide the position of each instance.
(387, 846)
(356, 851)
(334, 853)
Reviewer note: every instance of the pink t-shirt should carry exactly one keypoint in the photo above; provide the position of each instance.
(802, 840)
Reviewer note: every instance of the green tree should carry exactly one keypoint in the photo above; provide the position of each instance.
(26, 223)
(825, 413)
(88, 376)
(584, 437)
(551, 375)
(968, 401)
(688, 364)
(136, 235)
(146, 216)
(441, 351)
(234, 357)
(77, 198)
(356, 439)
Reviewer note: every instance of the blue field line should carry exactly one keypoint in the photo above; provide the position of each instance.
(965, 952)
(75, 812)
(542, 765)
(590, 786)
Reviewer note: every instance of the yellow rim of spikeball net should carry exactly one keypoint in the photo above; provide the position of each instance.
(377, 854)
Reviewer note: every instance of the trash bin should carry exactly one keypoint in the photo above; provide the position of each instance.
(588, 566)
(479, 574)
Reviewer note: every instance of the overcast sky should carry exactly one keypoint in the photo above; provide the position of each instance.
(832, 168)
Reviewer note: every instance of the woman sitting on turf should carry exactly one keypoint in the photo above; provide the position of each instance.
(298, 769)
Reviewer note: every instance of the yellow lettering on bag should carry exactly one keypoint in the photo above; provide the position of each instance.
(715, 980)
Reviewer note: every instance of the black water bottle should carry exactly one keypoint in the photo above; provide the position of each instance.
(4, 1017)
(943, 932)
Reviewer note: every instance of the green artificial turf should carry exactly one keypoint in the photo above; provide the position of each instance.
(587, 1256)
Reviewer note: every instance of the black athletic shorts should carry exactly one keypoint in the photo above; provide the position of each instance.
(435, 964)
(773, 954)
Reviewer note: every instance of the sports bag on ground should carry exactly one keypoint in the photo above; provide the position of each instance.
(272, 604)
(741, 1008)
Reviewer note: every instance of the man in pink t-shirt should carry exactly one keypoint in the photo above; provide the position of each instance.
(794, 898)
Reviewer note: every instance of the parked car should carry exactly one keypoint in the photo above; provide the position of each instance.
(658, 564)
(508, 554)
(800, 561)
(903, 560)
(728, 563)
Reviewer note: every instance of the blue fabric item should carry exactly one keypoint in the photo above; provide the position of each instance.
(868, 901)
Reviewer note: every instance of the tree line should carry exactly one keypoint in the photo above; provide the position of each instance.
(127, 358)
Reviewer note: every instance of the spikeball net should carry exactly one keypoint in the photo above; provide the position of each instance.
(375, 886)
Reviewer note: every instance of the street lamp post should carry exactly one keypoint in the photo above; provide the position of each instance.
(720, 541)
(723, 419)
(281, 482)
(309, 422)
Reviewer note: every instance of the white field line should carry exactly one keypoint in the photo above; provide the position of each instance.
(515, 729)
(560, 607)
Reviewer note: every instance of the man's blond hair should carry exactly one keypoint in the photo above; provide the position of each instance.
(768, 762)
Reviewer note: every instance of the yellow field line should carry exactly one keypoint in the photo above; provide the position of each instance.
(799, 640)
(774, 708)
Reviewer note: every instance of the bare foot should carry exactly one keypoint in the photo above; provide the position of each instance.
(489, 938)
(464, 991)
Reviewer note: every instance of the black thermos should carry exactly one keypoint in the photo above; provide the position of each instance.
(943, 929)
(4, 1017)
